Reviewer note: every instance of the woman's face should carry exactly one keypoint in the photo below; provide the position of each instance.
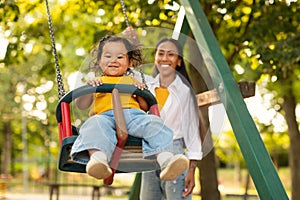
(166, 58)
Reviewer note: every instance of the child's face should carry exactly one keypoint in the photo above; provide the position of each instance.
(166, 58)
(114, 59)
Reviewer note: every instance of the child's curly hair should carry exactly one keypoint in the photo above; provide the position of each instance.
(134, 52)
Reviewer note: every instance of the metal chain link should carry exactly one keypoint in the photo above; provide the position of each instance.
(124, 13)
(60, 84)
(143, 76)
(128, 25)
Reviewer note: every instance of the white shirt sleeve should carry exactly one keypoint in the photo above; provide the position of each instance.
(192, 129)
(181, 114)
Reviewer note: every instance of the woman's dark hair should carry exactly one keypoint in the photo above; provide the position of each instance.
(181, 69)
(134, 52)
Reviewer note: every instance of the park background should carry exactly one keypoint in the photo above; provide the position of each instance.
(259, 39)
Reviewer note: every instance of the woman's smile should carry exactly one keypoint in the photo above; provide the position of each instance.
(165, 65)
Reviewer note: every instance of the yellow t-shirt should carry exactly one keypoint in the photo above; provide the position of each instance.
(161, 96)
(103, 101)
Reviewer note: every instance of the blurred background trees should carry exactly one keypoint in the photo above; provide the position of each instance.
(260, 40)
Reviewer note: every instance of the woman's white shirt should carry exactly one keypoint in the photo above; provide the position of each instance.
(180, 113)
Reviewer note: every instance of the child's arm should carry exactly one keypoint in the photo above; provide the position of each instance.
(143, 103)
(84, 102)
(141, 100)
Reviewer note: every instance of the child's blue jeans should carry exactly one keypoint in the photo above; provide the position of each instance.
(98, 132)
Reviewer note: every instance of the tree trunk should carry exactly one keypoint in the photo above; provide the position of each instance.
(201, 82)
(207, 166)
(289, 106)
(6, 150)
(208, 177)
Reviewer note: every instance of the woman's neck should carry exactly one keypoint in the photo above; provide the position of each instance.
(165, 81)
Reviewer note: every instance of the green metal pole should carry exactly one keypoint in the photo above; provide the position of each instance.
(135, 190)
(255, 154)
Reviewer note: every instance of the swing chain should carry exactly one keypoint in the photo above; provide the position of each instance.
(128, 25)
(124, 13)
(60, 84)
(143, 76)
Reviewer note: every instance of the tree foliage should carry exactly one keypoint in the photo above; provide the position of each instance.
(260, 40)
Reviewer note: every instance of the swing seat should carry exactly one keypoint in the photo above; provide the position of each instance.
(131, 159)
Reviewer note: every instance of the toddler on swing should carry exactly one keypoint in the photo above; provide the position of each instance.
(97, 138)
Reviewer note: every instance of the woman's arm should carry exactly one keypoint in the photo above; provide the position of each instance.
(189, 183)
(192, 127)
(192, 140)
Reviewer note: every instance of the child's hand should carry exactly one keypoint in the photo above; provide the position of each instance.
(139, 85)
(95, 82)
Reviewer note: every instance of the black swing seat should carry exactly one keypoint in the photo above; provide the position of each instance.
(131, 158)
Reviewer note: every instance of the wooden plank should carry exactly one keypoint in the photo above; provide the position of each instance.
(211, 97)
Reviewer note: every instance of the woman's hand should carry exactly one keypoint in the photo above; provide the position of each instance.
(190, 179)
(131, 34)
